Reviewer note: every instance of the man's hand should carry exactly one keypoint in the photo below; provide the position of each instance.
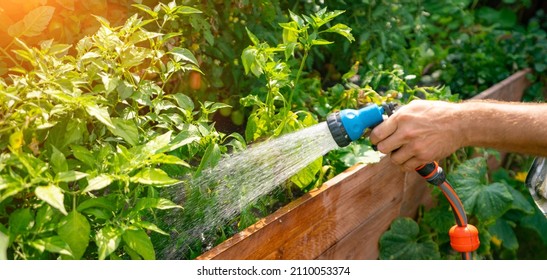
(419, 132)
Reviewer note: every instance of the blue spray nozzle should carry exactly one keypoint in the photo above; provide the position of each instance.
(355, 122)
(349, 124)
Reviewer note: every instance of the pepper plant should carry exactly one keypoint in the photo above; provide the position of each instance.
(282, 82)
(86, 140)
(273, 115)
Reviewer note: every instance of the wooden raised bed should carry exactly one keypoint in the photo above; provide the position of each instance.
(346, 216)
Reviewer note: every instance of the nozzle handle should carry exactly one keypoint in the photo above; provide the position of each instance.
(432, 172)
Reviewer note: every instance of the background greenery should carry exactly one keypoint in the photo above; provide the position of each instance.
(105, 103)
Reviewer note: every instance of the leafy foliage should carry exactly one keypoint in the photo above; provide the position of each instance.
(404, 241)
(85, 136)
(64, 21)
(282, 82)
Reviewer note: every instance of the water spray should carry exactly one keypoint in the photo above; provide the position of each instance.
(349, 125)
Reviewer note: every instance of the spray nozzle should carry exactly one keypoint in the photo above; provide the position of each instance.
(349, 125)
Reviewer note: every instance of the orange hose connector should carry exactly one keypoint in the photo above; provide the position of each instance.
(464, 239)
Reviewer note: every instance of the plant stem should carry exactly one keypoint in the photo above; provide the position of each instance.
(270, 109)
(298, 74)
(6, 54)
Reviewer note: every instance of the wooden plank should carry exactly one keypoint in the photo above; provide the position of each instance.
(315, 222)
(362, 243)
(358, 207)
(510, 89)
(416, 193)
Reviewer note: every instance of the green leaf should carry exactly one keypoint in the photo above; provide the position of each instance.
(324, 17)
(519, 202)
(152, 227)
(53, 244)
(472, 171)
(215, 106)
(307, 175)
(83, 155)
(135, 58)
(441, 219)
(74, 133)
(184, 101)
(404, 242)
(299, 21)
(253, 37)
(536, 222)
(4, 244)
(126, 129)
(44, 218)
(103, 202)
(182, 54)
(505, 18)
(101, 114)
(359, 153)
(256, 126)
(167, 159)
(487, 202)
(58, 160)
(132, 254)
(182, 139)
(9, 183)
(210, 158)
(290, 32)
(343, 30)
(139, 241)
(90, 55)
(98, 183)
(146, 9)
(186, 10)
(157, 144)
(319, 42)
(70, 176)
(502, 231)
(250, 100)
(20, 221)
(125, 90)
(109, 83)
(53, 195)
(289, 50)
(157, 203)
(153, 176)
(250, 62)
(108, 239)
(33, 24)
(75, 230)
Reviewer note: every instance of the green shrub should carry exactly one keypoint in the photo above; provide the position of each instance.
(84, 139)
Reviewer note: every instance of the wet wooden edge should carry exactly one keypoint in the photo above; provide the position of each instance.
(307, 227)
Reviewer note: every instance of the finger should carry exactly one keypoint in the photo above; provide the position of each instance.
(401, 155)
(411, 164)
(390, 144)
(383, 130)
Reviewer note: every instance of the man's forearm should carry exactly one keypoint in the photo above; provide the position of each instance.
(515, 127)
